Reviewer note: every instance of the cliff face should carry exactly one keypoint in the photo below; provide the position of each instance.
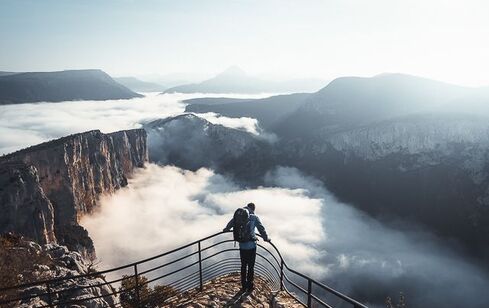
(24, 206)
(73, 172)
(432, 170)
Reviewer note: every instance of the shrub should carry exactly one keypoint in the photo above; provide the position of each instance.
(148, 297)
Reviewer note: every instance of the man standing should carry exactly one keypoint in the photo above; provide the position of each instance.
(246, 220)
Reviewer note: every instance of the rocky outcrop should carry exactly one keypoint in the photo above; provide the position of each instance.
(223, 291)
(68, 175)
(24, 206)
(191, 142)
(29, 262)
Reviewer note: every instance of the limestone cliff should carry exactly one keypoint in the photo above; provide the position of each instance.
(68, 175)
(24, 206)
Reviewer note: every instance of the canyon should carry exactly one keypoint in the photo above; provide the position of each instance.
(398, 147)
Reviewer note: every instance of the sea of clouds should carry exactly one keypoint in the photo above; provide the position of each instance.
(164, 207)
(23, 125)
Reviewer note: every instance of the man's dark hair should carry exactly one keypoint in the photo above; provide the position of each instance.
(251, 206)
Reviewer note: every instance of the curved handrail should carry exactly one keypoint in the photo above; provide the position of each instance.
(30, 284)
(321, 285)
(273, 270)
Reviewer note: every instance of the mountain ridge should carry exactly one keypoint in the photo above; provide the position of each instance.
(350, 101)
(191, 142)
(68, 85)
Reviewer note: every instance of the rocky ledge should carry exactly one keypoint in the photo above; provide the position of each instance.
(223, 291)
(27, 261)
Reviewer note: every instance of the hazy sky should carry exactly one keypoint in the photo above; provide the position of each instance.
(442, 39)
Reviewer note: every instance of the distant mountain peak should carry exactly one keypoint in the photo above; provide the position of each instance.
(233, 71)
(235, 80)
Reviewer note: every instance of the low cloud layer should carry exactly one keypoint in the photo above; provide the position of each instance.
(24, 125)
(164, 207)
(243, 123)
(249, 125)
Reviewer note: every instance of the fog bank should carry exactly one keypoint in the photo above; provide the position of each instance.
(164, 207)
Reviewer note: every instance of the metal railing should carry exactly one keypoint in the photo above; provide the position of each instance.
(179, 270)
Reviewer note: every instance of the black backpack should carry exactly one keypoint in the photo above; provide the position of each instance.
(241, 228)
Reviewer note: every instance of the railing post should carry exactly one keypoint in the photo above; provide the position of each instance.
(138, 300)
(281, 274)
(309, 290)
(200, 268)
(50, 296)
